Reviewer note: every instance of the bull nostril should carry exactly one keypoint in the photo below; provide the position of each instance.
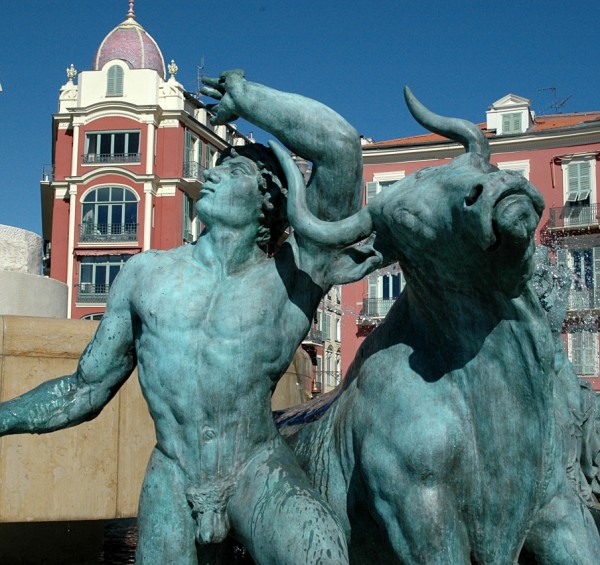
(474, 195)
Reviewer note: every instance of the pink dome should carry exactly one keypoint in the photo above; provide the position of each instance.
(130, 42)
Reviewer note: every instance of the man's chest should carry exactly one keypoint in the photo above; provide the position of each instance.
(196, 301)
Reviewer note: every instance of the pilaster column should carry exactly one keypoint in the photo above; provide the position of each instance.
(71, 244)
(148, 193)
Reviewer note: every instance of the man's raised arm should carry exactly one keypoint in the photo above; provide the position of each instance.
(104, 366)
(308, 128)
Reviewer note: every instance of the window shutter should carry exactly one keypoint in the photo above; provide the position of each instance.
(372, 190)
(579, 182)
(114, 84)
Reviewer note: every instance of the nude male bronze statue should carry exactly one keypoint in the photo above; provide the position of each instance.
(212, 327)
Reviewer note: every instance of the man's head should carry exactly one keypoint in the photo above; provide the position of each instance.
(272, 184)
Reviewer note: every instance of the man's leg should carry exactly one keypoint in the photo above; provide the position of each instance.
(165, 523)
(280, 519)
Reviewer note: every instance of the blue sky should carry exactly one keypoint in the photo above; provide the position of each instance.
(355, 56)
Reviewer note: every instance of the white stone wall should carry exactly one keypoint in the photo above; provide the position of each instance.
(20, 251)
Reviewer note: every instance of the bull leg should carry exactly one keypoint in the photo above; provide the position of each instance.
(564, 533)
(423, 526)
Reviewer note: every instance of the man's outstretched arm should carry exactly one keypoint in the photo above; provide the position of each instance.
(103, 367)
(308, 128)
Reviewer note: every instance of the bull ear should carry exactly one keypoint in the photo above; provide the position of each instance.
(352, 264)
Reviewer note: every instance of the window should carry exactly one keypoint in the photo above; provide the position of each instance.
(192, 152)
(112, 147)
(382, 291)
(583, 351)
(326, 325)
(338, 329)
(109, 214)
(585, 286)
(190, 223)
(208, 156)
(319, 377)
(381, 181)
(328, 366)
(521, 167)
(579, 185)
(114, 82)
(512, 123)
(97, 316)
(579, 191)
(96, 275)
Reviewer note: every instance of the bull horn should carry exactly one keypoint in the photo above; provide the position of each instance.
(463, 131)
(326, 234)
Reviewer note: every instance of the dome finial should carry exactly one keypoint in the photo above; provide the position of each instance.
(131, 14)
(71, 73)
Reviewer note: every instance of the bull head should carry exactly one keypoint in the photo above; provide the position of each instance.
(466, 225)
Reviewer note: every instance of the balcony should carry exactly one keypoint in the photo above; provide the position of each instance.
(377, 307)
(314, 336)
(104, 158)
(193, 170)
(331, 378)
(584, 299)
(108, 233)
(574, 217)
(48, 173)
(88, 293)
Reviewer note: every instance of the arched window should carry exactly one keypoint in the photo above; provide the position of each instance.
(109, 213)
(97, 316)
(114, 83)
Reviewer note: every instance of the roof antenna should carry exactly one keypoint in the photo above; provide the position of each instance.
(200, 76)
(130, 14)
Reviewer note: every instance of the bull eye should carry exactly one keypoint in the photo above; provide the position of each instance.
(473, 195)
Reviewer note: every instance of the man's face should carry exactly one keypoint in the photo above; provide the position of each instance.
(230, 194)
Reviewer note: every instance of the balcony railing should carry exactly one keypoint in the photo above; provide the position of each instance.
(331, 378)
(113, 233)
(111, 158)
(92, 293)
(377, 307)
(584, 299)
(314, 336)
(574, 216)
(193, 170)
(48, 173)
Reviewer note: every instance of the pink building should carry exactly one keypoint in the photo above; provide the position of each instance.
(129, 146)
(558, 154)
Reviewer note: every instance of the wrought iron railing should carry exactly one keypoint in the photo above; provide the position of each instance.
(47, 173)
(193, 170)
(314, 335)
(331, 378)
(97, 233)
(377, 307)
(92, 293)
(574, 216)
(111, 158)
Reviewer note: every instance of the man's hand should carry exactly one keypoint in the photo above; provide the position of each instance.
(224, 89)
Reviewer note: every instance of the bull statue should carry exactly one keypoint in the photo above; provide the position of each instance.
(441, 447)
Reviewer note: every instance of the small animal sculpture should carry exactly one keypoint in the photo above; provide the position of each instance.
(441, 447)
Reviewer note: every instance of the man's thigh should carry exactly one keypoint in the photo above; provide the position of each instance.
(165, 523)
(279, 517)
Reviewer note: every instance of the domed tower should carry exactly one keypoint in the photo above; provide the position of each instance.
(131, 43)
(130, 147)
